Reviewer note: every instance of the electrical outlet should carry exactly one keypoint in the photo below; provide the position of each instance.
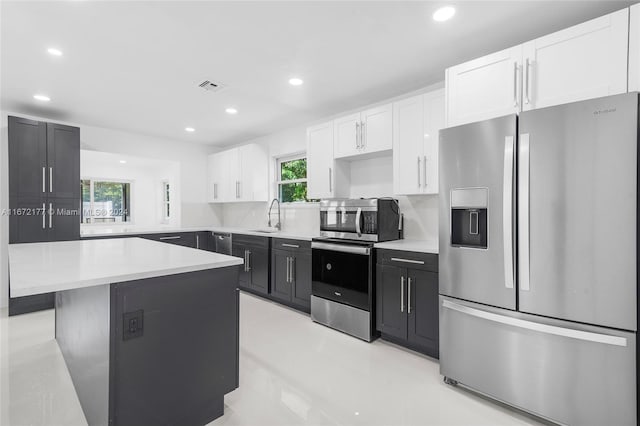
(132, 324)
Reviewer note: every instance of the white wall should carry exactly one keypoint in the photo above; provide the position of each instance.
(192, 159)
(146, 177)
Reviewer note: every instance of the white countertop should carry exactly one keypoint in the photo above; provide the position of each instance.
(37, 268)
(100, 231)
(421, 246)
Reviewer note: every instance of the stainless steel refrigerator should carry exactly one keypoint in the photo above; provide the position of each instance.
(538, 260)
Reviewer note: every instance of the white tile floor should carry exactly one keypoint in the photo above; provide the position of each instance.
(292, 372)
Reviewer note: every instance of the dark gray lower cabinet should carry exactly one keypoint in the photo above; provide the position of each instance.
(291, 272)
(407, 299)
(254, 274)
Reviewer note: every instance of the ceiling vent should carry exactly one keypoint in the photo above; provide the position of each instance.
(211, 86)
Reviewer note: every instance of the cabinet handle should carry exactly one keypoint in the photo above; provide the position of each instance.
(526, 81)
(402, 293)
(290, 245)
(197, 241)
(43, 180)
(419, 171)
(424, 168)
(409, 294)
(399, 259)
(215, 191)
(246, 261)
(50, 215)
(50, 179)
(515, 84)
(175, 237)
(330, 178)
(287, 278)
(44, 214)
(363, 135)
(357, 135)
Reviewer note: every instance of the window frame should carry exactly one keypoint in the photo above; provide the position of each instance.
(92, 181)
(166, 201)
(302, 155)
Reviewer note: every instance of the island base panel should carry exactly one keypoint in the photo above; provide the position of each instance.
(176, 369)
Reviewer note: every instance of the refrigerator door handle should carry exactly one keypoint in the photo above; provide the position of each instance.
(523, 213)
(507, 211)
(536, 326)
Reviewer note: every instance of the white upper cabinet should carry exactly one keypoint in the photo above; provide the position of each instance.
(323, 174)
(585, 61)
(634, 48)
(484, 88)
(582, 62)
(238, 174)
(366, 132)
(416, 123)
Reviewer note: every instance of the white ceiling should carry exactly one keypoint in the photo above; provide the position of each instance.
(136, 65)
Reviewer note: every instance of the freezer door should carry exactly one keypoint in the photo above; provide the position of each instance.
(577, 199)
(476, 257)
(569, 373)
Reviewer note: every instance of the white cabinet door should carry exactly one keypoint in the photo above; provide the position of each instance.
(408, 136)
(232, 172)
(217, 191)
(585, 61)
(434, 112)
(320, 173)
(376, 129)
(346, 136)
(634, 48)
(254, 174)
(484, 88)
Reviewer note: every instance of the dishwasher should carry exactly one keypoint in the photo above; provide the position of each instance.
(223, 242)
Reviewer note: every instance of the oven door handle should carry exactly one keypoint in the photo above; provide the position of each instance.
(358, 219)
(344, 248)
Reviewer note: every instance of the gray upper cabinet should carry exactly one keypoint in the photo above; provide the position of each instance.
(44, 190)
(27, 158)
(63, 161)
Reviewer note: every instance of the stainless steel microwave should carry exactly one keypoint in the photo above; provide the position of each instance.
(372, 219)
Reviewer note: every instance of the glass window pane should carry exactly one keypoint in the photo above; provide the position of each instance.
(110, 200)
(290, 192)
(85, 190)
(294, 169)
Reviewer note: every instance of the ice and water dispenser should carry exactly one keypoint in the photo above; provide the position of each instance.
(469, 217)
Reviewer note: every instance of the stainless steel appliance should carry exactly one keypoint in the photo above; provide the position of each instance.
(343, 262)
(223, 242)
(551, 327)
(371, 219)
(342, 286)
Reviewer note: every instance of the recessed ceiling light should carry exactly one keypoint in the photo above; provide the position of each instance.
(123, 161)
(231, 111)
(444, 13)
(43, 98)
(55, 52)
(295, 81)
(189, 129)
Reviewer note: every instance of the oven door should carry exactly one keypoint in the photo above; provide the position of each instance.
(342, 272)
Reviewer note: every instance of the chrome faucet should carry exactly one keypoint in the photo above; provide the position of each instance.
(278, 225)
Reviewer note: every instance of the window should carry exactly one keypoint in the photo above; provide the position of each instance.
(292, 179)
(105, 202)
(166, 205)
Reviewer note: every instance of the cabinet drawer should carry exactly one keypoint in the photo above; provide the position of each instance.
(409, 259)
(187, 239)
(250, 240)
(291, 244)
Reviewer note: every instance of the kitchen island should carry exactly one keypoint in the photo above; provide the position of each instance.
(149, 331)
